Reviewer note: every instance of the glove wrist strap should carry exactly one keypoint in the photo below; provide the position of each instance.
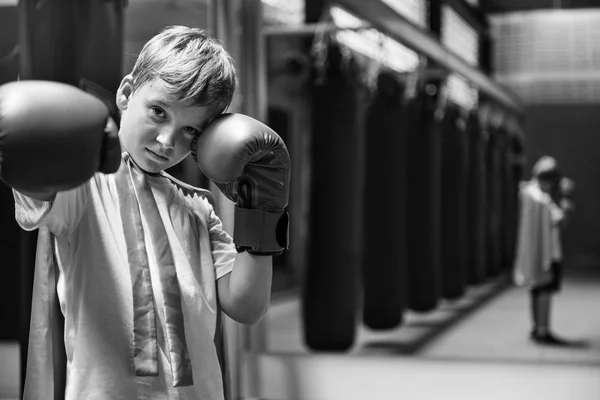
(261, 231)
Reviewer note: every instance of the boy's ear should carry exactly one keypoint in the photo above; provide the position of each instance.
(124, 92)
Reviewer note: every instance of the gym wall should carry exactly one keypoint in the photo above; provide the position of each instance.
(551, 61)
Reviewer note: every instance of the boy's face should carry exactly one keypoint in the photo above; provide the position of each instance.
(549, 185)
(157, 130)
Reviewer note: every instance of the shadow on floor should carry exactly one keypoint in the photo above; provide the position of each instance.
(434, 324)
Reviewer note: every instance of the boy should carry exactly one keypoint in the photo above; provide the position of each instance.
(143, 266)
(538, 263)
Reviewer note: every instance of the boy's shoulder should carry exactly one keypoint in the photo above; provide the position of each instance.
(190, 190)
(532, 190)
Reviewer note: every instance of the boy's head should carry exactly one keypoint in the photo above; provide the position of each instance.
(181, 80)
(546, 172)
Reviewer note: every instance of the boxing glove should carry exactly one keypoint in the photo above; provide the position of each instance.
(567, 187)
(54, 137)
(251, 165)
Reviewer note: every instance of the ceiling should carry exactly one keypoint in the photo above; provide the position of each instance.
(503, 6)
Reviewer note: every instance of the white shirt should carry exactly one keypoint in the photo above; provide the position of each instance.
(538, 240)
(95, 291)
(557, 214)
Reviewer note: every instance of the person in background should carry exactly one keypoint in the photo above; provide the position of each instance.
(545, 206)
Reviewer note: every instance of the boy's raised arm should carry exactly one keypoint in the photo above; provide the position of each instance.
(250, 164)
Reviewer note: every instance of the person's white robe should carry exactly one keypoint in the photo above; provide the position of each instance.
(537, 237)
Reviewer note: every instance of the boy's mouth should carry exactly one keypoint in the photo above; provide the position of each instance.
(157, 156)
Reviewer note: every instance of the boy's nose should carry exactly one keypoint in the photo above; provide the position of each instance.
(166, 137)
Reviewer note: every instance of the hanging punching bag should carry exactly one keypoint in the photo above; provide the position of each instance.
(9, 48)
(453, 198)
(330, 298)
(101, 42)
(494, 196)
(9, 230)
(517, 166)
(476, 188)
(426, 111)
(384, 260)
(504, 210)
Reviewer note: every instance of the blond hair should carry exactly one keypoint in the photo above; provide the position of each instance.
(194, 65)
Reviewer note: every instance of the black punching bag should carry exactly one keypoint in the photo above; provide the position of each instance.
(476, 189)
(330, 298)
(9, 46)
(453, 198)
(384, 260)
(490, 178)
(516, 166)
(504, 209)
(493, 199)
(68, 40)
(9, 230)
(423, 200)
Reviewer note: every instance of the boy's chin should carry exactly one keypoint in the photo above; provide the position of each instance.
(148, 165)
(153, 167)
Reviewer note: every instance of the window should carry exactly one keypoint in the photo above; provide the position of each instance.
(413, 10)
(283, 12)
(372, 43)
(460, 38)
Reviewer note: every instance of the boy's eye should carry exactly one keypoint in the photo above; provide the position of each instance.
(191, 131)
(159, 112)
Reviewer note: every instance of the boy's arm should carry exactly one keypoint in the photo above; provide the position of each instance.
(557, 214)
(60, 214)
(243, 279)
(250, 164)
(43, 196)
(245, 293)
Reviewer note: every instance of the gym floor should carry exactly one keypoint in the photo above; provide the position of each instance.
(475, 348)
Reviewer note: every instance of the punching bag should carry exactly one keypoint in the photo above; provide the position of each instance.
(515, 166)
(423, 197)
(9, 230)
(331, 284)
(493, 199)
(453, 199)
(9, 48)
(504, 210)
(384, 260)
(68, 40)
(78, 42)
(476, 209)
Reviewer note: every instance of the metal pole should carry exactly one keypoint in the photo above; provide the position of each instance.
(309, 29)
(253, 62)
(221, 23)
(238, 24)
(254, 92)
